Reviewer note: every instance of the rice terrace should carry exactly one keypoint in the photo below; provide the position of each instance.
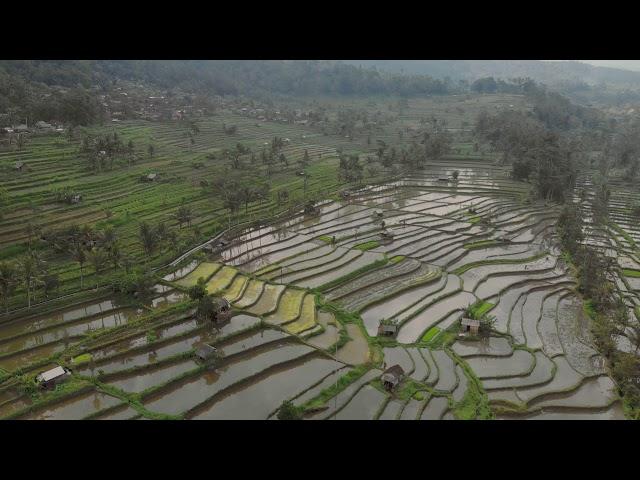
(429, 251)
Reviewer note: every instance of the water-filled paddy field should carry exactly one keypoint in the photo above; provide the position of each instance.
(308, 295)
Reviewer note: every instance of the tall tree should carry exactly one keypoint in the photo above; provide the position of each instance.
(184, 215)
(79, 255)
(8, 281)
(148, 238)
(97, 258)
(29, 269)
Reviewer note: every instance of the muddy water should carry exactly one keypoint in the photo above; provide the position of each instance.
(548, 327)
(593, 393)
(413, 329)
(140, 340)
(248, 256)
(391, 410)
(433, 369)
(390, 273)
(314, 265)
(181, 272)
(566, 378)
(143, 380)
(446, 369)
(168, 300)
(188, 393)
(61, 332)
(515, 321)
(493, 286)
(327, 382)
(20, 359)
(365, 259)
(204, 270)
(387, 309)
(123, 413)
(337, 259)
(435, 408)
(438, 290)
(74, 408)
(363, 406)
(237, 324)
(330, 336)
(430, 239)
(343, 397)
(461, 389)
(270, 258)
(246, 342)
(575, 336)
(615, 412)
(510, 297)
(475, 276)
(356, 350)
(531, 313)
(494, 346)
(520, 363)
(71, 314)
(411, 409)
(153, 355)
(258, 399)
(398, 356)
(541, 373)
(316, 253)
(421, 368)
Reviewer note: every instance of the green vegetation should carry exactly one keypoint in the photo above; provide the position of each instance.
(288, 411)
(478, 309)
(356, 273)
(430, 334)
(631, 273)
(481, 244)
(475, 403)
(84, 358)
(342, 383)
(367, 245)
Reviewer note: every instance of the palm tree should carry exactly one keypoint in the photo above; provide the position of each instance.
(33, 231)
(184, 215)
(148, 238)
(108, 238)
(116, 256)
(8, 281)
(79, 255)
(29, 267)
(98, 258)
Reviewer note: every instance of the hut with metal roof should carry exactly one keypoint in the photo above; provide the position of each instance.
(51, 378)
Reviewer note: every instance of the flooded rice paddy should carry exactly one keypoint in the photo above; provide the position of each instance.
(283, 344)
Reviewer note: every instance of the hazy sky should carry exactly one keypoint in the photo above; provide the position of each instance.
(626, 64)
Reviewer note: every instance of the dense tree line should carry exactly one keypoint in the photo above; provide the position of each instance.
(537, 154)
(27, 86)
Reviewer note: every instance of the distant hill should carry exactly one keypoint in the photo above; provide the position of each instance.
(550, 73)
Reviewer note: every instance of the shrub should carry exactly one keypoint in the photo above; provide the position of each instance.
(288, 411)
